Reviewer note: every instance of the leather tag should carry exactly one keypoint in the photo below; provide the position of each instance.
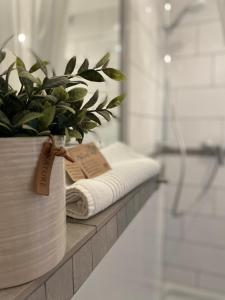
(44, 169)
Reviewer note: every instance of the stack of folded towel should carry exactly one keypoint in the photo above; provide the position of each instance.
(87, 197)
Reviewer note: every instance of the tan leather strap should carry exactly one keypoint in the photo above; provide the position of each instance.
(60, 151)
(45, 163)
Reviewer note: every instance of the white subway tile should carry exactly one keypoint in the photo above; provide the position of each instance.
(207, 12)
(172, 168)
(142, 91)
(191, 71)
(202, 229)
(170, 190)
(197, 169)
(188, 204)
(220, 203)
(148, 19)
(212, 282)
(143, 133)
(220, 177)
(93, 24)
(195, 257)
(195, 131)
(202, 102)
(174, 227)
(183, 40)
(142, 50)
(219, 69)
(211, 37)
(179, 275)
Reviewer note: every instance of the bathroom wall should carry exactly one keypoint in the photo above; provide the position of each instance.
(142, 111)
(143, 63)
(57, 30)
(93, 29)
(194, 244)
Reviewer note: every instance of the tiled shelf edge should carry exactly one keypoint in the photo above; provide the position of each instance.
(88, 242)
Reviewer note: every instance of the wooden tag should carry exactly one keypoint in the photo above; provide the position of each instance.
(44, 169)
(89, 162)
(74, 170)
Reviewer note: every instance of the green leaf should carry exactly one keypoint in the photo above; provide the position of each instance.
(81, 131)
(5, 127)
(53, 72)
(116, 101)
(68, 108)
(101, 105)
(26, 75)
(14, 107)
(29, 128)
(105, 115)
(77, 104)
(73, 83)
(8, 72)
(29, 117)
(41, 64)
(105, 65)
(114, 74)
(12, 93)
(28, 83)
(89, 125)
(44, 133)
(60, 93)
(20, 64)
(3, 85)
(70, 65)
(39, 83)
(75, 134)
(55, 81)
(47, 117)
(92, 75)
(38, 66)
(80, 117)
(2, 55)
(4, 119)
(92, 101)
(36, 105)
(105, 59)
(84, 66)
(112, 115)
(49, 98)
(77, 94)
(93, 117)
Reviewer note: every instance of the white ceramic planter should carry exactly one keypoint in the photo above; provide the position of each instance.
(32, 227)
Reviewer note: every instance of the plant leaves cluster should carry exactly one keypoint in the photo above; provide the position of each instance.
(54, 104)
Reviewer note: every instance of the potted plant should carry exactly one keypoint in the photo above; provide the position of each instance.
(44, 110)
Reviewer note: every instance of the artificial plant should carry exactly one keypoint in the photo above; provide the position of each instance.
(53, 104)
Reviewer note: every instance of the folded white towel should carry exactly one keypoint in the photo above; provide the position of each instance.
(87, 197)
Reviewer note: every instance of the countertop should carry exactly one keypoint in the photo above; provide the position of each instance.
(87, 243)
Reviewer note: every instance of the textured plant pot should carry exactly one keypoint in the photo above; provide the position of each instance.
(32, 227)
